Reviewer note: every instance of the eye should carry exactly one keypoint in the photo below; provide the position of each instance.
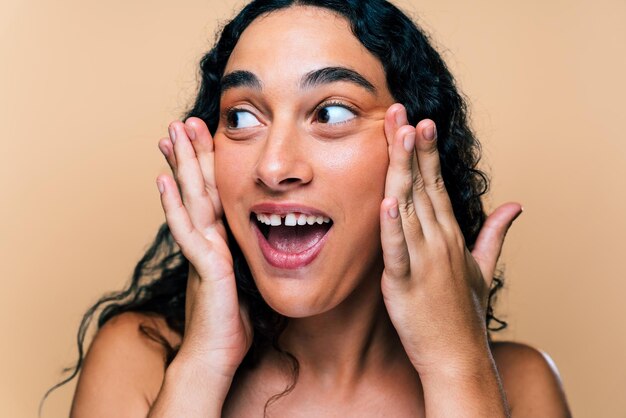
(333, 114)
(238, 119)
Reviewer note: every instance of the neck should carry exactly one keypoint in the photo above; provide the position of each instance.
(352, 339)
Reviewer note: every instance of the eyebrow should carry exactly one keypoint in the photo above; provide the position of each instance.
(315, 78)
(334, 74)
(240, 79)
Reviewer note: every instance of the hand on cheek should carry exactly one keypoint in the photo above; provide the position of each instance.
(434, 289)
(218, 331)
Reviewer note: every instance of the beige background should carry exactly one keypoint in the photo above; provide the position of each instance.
(87, 88)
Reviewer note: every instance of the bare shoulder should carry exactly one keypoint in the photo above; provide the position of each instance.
(124, 368)
(531, 381)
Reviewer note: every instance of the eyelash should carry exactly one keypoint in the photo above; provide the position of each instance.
(319, 107)
(339, 104)
(232, 110)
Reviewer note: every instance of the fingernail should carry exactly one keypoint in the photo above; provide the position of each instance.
(393, 211)
(430, 132)
(191, 133)
(399, 117)
(409, 142)
(163, 148)
(160, 187)
(172, 134)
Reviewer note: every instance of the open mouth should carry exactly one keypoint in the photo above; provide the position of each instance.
(290, 240)
(292, 232)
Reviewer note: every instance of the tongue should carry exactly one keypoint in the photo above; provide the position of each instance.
(295, 239)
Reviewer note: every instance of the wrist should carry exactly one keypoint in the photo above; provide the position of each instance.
(210, 362)
(469, 367)
(459, 358)
(469, 386)
(201, 374)
(450, 353)
(197, 386)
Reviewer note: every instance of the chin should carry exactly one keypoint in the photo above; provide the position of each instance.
(297, 297)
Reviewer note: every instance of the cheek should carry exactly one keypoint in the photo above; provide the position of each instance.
(230, 173)
(360, 171)
(230, 167)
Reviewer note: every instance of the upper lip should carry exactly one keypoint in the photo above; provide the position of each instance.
(285, 208)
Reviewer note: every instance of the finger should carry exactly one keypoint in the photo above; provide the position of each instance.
(190, 179)
(400, 180)
(167, 149)
(192, 244)
(202, 143)
(395, 118)
(430, 168)
(491, 238)
(205, 252)
(395, 252)
(423, 206)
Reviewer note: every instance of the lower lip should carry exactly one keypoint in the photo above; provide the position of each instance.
(284, 260)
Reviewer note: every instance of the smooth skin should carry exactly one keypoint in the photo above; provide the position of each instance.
(414, 339)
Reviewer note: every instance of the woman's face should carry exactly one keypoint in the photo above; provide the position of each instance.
(300, 139)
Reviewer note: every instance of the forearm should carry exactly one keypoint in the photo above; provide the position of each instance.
(190, 390)
(465, 389)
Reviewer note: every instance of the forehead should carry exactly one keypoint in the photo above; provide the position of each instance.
(282, 46)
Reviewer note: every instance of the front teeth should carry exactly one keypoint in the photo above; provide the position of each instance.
(291, 219)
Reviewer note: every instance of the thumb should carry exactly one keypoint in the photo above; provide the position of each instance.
(491, 238)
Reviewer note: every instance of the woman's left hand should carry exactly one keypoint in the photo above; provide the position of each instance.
(434, 288)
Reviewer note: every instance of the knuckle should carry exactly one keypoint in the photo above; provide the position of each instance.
(404, 182)
(413, 228)
(407, 209)
(399, 262)
(437, 184)
(205, 197)
(432, 149)
(397, 269)
(417, 183)
(197, 193)
(210, 189)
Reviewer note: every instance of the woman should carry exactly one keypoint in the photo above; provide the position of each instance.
(335, 253)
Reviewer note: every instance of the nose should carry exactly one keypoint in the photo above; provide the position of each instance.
(283, 163)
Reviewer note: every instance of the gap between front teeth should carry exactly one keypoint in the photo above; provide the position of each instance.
(291, 219)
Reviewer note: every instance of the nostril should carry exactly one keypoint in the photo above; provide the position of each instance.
(279, 183)
(290, 180)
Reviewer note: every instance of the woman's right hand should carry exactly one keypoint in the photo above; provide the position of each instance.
(218, 332)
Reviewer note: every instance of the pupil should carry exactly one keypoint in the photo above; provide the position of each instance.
(233, 119)
(323, 116)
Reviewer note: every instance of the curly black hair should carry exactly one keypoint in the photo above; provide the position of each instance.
(416, 76)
